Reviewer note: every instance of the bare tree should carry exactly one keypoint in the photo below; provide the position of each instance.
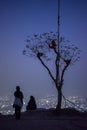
(45, 48)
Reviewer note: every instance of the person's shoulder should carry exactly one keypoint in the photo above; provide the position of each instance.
(21, 92)
(14, 92)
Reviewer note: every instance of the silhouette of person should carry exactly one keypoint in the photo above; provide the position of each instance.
(31, 104)
(18, 102)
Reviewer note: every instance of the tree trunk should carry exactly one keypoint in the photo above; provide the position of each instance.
(58, 107)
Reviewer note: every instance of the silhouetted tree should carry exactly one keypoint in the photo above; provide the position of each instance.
(45, 48)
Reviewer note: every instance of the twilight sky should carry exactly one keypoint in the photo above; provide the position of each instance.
(20, 18)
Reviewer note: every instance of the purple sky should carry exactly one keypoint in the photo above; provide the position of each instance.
(20, 18)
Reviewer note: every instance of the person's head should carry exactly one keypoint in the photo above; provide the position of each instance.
(18, 88)
(31, 97)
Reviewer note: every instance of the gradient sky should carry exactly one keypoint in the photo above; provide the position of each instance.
(20, 18)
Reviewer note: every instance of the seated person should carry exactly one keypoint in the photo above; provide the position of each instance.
(31, 104)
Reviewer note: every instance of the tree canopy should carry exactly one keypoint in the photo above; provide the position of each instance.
(45, 48)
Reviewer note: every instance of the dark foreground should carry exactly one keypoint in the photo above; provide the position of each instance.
(45, 120)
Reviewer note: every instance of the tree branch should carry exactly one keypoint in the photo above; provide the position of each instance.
(57, 67)
(62, 75)
(47, 69)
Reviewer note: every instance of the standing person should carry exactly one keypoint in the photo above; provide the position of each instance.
(31, 104)
(18, 102)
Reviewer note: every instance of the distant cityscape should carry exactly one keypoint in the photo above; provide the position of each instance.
(80, 103)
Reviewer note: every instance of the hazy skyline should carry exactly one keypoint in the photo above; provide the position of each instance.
(20, 18)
